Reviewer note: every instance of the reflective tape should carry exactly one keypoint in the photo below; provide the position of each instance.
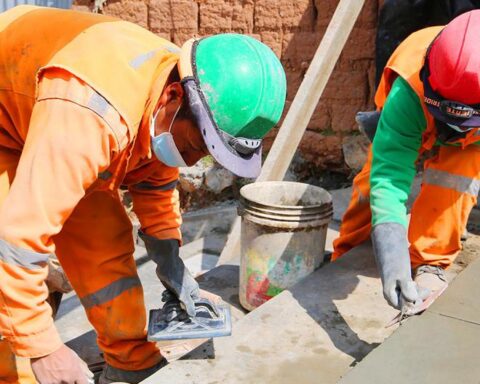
(11, 254)
(138, 61)
(110, 292)
(150, 187)
(98, 104)
(105, 175)
(449, 180)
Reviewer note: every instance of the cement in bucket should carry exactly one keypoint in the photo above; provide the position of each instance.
(283, 234)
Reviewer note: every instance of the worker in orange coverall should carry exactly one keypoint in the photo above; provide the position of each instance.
(429, 97)
(89, 103)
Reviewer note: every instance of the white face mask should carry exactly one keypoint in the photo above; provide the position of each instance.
(163, 145)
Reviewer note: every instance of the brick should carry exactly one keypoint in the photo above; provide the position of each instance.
(267, 15)
(368, 15)
(135, 11)
(273, 40)
(226, 16)
(299, 48)
(294, 79)
(173, 15)
(344, 85)
(242, 16)
(284, 14)
(321, 119)
(324, 10)
(179, 38)
(321, 149)
(343, 115)
(360, 45)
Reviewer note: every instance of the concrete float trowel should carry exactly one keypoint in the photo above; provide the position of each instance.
(208, 318)
(411, 309)
(172, 322)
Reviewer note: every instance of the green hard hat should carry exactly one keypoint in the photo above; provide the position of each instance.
(241, 85)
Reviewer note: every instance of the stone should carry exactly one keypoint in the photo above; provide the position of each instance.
(191, 178)
(218, 178)
(355, 151)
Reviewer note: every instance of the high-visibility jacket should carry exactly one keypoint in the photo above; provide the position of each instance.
(117, 71)
(406, 129)
(451, 178)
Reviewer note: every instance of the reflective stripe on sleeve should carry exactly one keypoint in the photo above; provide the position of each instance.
(449, 180)
(11, 254)
(138, 61)
(110, 292)
(151, 187)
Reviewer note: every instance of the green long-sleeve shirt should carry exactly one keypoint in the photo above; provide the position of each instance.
(395, 149)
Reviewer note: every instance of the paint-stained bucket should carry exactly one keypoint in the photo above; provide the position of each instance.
(283, 234)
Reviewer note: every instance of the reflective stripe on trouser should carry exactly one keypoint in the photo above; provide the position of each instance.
(357, 220)
(439, 214)
(95, 248)
(12, 369)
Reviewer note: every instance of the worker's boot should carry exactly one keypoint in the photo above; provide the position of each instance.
(431, 277)
(115, 375)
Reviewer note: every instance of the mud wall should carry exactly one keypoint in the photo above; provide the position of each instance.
(293, 29)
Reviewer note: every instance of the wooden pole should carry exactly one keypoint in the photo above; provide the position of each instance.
(303, 105)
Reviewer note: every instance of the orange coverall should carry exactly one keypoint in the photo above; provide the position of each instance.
(450, 181)
(77, 92)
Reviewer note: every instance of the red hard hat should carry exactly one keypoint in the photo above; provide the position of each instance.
(454, 60)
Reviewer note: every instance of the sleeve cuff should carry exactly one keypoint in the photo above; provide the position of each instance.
(36, 345)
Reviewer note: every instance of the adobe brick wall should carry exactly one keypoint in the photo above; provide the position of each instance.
(293, 29)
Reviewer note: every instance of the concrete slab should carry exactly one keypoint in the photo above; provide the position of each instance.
(309, 334)
(430, 349)
(440, 346)
(462, 298)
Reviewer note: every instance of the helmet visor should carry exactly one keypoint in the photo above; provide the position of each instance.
(243, 163)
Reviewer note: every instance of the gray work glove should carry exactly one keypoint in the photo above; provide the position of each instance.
(390, 247)
(172, 271)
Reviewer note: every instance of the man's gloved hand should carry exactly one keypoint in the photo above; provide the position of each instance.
(172, 271)
(61, 367)
(390, 247)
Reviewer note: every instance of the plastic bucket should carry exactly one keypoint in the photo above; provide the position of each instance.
(283, 234)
